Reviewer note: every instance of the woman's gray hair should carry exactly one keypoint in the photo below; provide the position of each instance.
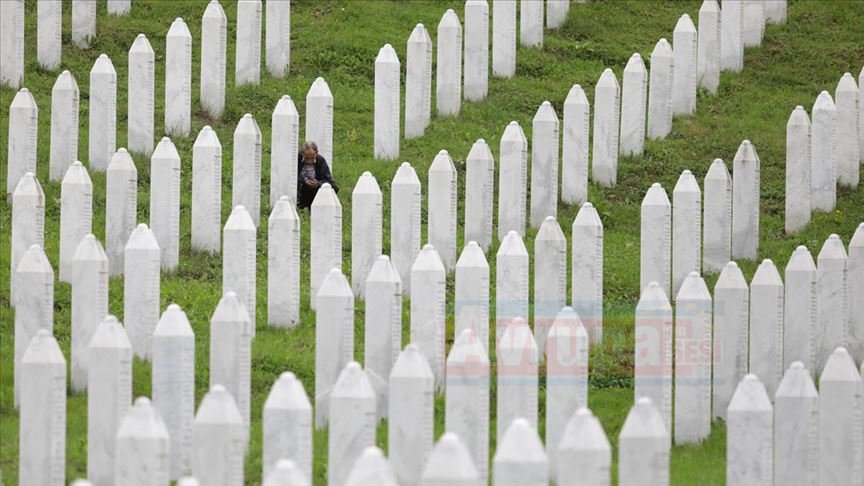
(310, 145)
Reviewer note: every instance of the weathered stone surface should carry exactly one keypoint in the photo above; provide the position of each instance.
(476, 49)
(607, 112)
(383, 326)
(42, 413)
(238, 263)
(287, 426)
(121, 207)
(366, 230)
(428, 309)
(76, 215)
(448, 83)
(12, 40)
(466, 415)
(686, 229)
(23, 138)
(732, 36)
(247, 54)
(584, 456)
(745, 202)
(418, 82)
(174, 383)
(754, 22)
(64, 123)
(334, 339)
(823, 162)
(692, 362)
(652, 369)
(556, 13)
(766, 325)
(798, 160)
(513, 180)
(660, 91)
(643, 447)
(283, 265)
(165, 171)
(217, 440)
(207, 191)
(119, 7)
(531, 24)
(480, 194)
(231, 352)
(441, 208)
(34, 306)
(142, 446)
(450, 464)
(102, 107)
(520, 458)
(284, 143)
(775, 11)
(550, 277)
(656, 239)
(685, 77)
(832, 299)
(246, 183)
(566, 377)
(352, 422)
(586, 252)
(855, 283)
(319, 119)
(178, 79)
(387, 99)
(326, 238)
(544, 164)
(277, 39)
(141, 96)
(633, 106)
(411, 415)
(796, 428)
(847, 151)
(800, 324)
(708, 61)
(83, 24)
(717, 232)
(574, 154)
(511, 283)
(372, 467)
(89, 278)
(141, 289)
(750, 434)
(840, 425)
(471, 308)
(28, 223)
(405, 221)
(731, 336)
(214, 41)
(517, 383)
(504, 38)
(285, 473)
(109, 396)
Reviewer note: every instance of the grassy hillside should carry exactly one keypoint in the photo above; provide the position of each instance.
(339, 41)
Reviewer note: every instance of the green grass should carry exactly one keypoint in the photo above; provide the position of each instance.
(339, 40)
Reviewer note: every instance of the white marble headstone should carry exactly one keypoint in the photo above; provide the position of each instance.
(89, 278)
(319, 118)
(798, 160)
(352, 422)
(12, 42)
(731, 336)
(366, 229)
(832, 299)
(218, 440)
(732, 35)
(775, 11)
(28, 222)
(686, 229)
(165, 188)
(428, 309)
(178, 79)
(277, 40)
(823, 163)
(861, 114)
(231, 351)
(684, 80)
(583, 455)
(607, 112)
(34, 305)
(287, 426)
(766, 325)
(531, 24)
(544, 164)
(121, 207)
(23, 138)
(855, 283)
(652, 368)
(708, 60)
(574, 153)
(717, 224)
(476, 49)
(42, 412)
(326, 238)
(448, 83)
(284, 143)
(214, 42)
(556, 13)
(142, 447)
(847, 151)
(173, 383)
(141, 96)
(418, 82)
(441, 208)
(634, 96)
(467, 405)
(246, 184)
(796, 428)
(518, 383)
(520, 459)
(334, 339)
(76, 215)
(800, 329)
(405, 209)
(656, 239)
(207, 192)
(479, 194)
(372, 467)
(387, 99)
(745, 202)
(511, 283)
(754, 22)
(513, 180)
(411, 415)
(660, 91)
(109, 396)
(840, 425)
(643, 447)
(450, 463)
(239, 261)
(141, 289)
(749, 435)
(247, 54)
(383, 325)
(119, 7)
(285, 473)
(102, 107)
(550, 277)
(504, 38)
(692, 364)
(64, 123)
(283, 265)
(472, 292)
(586, 250)
(83, 23)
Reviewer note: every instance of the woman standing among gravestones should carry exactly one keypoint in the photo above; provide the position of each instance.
(312, 172)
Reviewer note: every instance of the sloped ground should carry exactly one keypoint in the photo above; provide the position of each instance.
(339, 40)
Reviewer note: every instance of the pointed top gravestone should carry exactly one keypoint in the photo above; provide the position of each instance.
(285, 473)
(366, 229)
(217, 439)
(480, 177)
(708, 62)
(796, 428)
(587, 269)
(178, 79)
(583, 452)
(334, 338)
(831, 299)
(693, 325)
(89, 303)
(28, 221)
(230, 350)
(800, 314)
(544, 164)
(441, 207)
(656, 239)
(23, 138)
(448, 84)
(731, 335)
(352, 422)
(745, 202)
(450, 464)
(517, 376)
(418, 82)
(686, 229)
(643, 446)
(607, 113)
(823, 142)
(247, 53)
(121, 203)
(717, 233)
(142, 446)
(574, 153)
(855, 262)
(798, 170)
(847, 150)
(319, 119)
(411, 414)
(34, 304)
(653, 349)
(750, 432)
(472, 292)
(141, 96)
(64, 124)
(476, 49)
(214, 30)
(766, 325)
(633, 100)
(386, 103)
(513, 180)
(141, 288)
(103, 113)
(520, 458)
(287, 426)
(684, 80)
(285, 141)
(660, 91)
(405, 202)
(370, 468)
(840, 426)
(428, 309)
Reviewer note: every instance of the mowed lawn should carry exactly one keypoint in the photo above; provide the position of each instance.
(339, 41)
